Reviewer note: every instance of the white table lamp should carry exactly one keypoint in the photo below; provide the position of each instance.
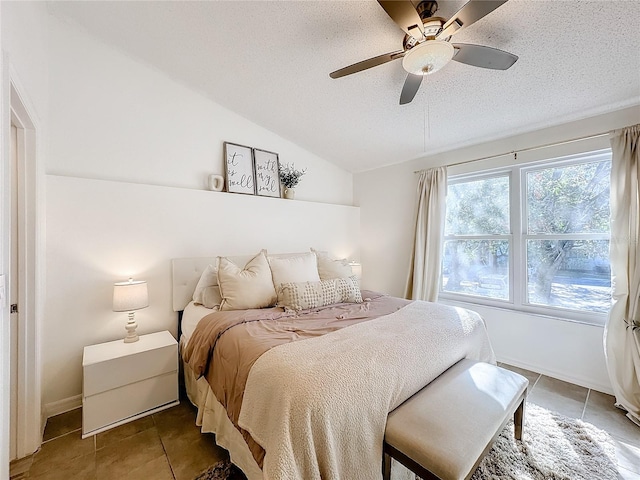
(356, 268)
(128, 297)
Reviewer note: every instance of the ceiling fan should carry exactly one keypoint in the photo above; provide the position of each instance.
(426, 47)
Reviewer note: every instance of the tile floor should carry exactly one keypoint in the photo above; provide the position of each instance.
(169, 446)
(163, 446)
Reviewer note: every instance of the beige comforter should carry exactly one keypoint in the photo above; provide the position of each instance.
(319, 407)
(225, 345)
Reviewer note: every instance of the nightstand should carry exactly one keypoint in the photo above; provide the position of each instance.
(126, 381)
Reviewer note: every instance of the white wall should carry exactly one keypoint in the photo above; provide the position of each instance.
(115, 118)
(24, 40)
(101, 231)
(386, 196)
(119, 130)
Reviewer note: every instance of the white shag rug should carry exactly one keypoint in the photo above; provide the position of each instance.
(555, 447)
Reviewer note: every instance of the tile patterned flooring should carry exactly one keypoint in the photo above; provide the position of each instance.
(168, 445)
(163, 446)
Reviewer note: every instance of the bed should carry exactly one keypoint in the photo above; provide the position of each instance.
(304, 392)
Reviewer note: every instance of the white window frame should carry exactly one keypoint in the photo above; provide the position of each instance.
(519, 236)
(474, 177)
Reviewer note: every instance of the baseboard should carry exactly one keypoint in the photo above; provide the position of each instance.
(62, 406)
(576, 380)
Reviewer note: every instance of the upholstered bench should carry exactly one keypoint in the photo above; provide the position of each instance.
(445, 430)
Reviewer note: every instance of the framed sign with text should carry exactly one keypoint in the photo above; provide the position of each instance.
(267, 171)
(238, 165)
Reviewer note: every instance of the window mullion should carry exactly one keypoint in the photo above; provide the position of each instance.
(518, 258)
(567, 236)
(477, 237)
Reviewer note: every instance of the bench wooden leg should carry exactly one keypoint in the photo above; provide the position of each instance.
(386, 466)
(518, 420)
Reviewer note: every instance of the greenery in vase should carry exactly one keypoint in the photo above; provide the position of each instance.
(289, 176)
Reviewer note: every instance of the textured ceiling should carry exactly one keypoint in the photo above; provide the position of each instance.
(269, 61)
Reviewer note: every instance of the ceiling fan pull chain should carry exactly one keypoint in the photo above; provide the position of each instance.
(426, 119)
(424, 126)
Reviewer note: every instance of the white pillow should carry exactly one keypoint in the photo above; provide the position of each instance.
(329, 268)
(248, 287)
(207, 292)
(306, 295)
(301, 267)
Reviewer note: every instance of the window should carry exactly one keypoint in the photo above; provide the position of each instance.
(534, 236)
(477, 238)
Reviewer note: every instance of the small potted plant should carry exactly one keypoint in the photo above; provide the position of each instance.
(290, 177)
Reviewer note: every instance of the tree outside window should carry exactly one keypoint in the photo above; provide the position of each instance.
(568, 236)
(477, 238)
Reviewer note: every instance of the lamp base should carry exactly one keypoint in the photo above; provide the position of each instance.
(131, 338)
(131, 326)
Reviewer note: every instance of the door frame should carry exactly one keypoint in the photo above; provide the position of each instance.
(5, 252)
(30, 421)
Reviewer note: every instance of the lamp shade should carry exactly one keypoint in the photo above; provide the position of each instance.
(428, 57)
(356, 268)
(130, 296)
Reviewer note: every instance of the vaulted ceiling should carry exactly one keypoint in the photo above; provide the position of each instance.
(270, 61)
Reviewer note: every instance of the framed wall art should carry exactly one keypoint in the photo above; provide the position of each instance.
(238, 165)
(267, 170)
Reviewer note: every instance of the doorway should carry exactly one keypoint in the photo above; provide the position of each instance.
(25, 391)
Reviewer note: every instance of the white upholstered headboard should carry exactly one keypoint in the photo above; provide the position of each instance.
(185, 274)
(187, 271)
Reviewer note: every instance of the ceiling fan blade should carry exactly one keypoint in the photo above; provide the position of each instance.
(471, 12)
(484, 57)
(363, 65)
(411, 86)
(405, 15)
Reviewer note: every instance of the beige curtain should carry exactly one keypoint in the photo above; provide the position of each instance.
(622, 332)
(424, 271)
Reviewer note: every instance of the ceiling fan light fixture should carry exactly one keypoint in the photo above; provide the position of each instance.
(428, 57)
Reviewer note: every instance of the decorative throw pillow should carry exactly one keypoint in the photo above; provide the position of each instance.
(306, 295)
(207, 292)
(301, 267)
(329, 268)
(248, 287)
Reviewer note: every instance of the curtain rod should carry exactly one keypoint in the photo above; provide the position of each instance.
(515, 152)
